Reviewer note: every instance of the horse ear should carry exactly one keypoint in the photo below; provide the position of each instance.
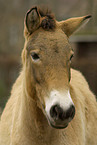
(71, 25)
(32, 20)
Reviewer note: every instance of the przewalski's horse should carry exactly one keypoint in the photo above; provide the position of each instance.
(48, 94)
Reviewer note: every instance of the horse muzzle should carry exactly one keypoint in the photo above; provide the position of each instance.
(60, 118)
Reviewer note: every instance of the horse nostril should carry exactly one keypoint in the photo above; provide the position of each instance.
(70, 112)
(53, 111)
(56, 112)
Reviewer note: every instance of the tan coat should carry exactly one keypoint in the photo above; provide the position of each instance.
(23, 121)
(17, 125)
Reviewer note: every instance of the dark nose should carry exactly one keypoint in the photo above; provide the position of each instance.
(57, 113)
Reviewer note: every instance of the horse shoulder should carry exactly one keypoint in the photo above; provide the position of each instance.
(79, 83)
(8, 113)
(86, 105)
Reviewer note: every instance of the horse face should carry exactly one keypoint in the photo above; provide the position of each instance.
(46, 59)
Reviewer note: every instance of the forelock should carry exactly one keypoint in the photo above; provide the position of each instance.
(48, 22)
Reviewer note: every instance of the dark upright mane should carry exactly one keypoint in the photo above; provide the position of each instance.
(49, 21)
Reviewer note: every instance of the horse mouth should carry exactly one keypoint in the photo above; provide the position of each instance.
(57, 126)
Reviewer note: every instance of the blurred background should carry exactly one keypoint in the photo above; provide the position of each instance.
(84, 42)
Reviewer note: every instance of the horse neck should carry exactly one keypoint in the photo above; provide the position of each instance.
(32, 116)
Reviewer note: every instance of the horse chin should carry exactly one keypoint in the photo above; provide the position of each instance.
(58, 126)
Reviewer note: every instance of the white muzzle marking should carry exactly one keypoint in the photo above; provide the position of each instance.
(61, 98)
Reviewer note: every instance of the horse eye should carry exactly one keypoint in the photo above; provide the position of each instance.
(35, 56)
(71, 57)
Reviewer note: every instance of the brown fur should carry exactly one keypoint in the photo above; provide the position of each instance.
(46, 66)
(49, 22)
